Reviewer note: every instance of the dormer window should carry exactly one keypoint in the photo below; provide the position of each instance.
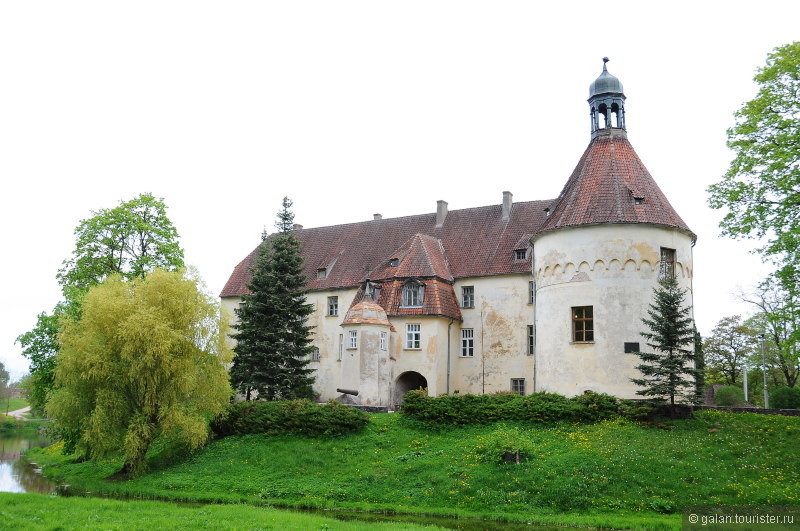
(322, 272)
(638, 200)
(413, 294)
(520, 254)
(373, 291)
(394, 262)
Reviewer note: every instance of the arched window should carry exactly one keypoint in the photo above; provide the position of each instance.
(413, 294)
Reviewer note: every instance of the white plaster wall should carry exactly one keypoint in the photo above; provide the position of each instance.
(500, 322)
(612, 268)
(430, 360)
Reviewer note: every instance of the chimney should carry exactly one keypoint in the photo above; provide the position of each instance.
(441, 212)
(508, 204)
(376, 217)
(297, 226)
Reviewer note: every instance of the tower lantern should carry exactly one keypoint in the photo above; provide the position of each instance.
(606, 102)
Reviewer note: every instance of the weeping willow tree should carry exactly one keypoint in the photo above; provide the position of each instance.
(146, 360)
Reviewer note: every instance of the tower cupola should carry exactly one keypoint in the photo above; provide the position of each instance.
(606, 102)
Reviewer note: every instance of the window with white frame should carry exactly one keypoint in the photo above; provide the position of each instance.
(531, 291)
(353, 343)
(531, 340)
(384, 340)
(468, 297)
(467, 343)
(520, 254)
(413, 336)
(333, 306)
(518, 385)
(315, 354)
(413, 294)
(322, 272)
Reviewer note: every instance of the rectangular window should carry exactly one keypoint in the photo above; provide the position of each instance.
(518, 385)
(413, 294)
(322, 273)
(520, 254)
(666, 267)
(341, 346)
(315, 354)
(582, 324)
(630, 348)
(384, 337)
(531, 342)
(467, 343)
(413, 336)
(468, 297)
(333, 306)
(531, 288)
(353, 340)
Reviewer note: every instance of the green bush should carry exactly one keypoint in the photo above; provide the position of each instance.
(299, 417)
(729, 395)
(8, 423)
(484, 409)
(785, 398)
(638, 410)
(502, 443)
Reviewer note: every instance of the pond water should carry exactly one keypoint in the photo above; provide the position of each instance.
(18, 475)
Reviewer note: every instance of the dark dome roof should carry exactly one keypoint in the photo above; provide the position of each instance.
(605, 83)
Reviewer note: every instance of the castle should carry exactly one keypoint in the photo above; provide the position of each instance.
(521, 297)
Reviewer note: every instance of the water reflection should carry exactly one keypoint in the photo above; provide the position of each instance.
(16, 474)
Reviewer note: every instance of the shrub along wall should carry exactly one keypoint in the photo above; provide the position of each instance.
(537, 407)
(299, 417)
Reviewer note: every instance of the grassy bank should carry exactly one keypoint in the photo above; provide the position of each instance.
(36, 511)
(612, 474)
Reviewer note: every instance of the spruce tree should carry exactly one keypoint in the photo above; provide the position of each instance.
(668, 371)
(273, 338)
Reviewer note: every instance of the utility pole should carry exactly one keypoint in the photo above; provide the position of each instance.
(764, 370)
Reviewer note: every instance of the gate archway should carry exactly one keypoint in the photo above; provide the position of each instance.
(408, 381)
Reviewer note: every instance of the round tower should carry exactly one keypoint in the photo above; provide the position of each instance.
(608, 238)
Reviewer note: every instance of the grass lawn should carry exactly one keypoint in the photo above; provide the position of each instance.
(37, 511)
(611, 474)
(12, 404)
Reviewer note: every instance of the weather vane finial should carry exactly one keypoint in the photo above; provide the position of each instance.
(605, 60)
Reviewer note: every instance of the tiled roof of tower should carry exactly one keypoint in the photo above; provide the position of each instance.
(476, 242)
(607, 186)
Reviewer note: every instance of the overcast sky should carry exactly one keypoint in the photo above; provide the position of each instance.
(353, 108)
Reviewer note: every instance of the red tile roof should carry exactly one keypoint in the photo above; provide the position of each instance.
(421, 256)
(439, 299)
(471, 242)
(604, 185)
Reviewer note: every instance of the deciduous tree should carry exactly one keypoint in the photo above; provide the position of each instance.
(130, 239)
(761, 190)
(273, 339)
(778, 320)
(728, 348)
(667, 371)
(146, 360)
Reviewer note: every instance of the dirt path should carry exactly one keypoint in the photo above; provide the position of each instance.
(20, 413)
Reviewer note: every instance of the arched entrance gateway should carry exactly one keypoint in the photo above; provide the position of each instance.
(408, 381)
